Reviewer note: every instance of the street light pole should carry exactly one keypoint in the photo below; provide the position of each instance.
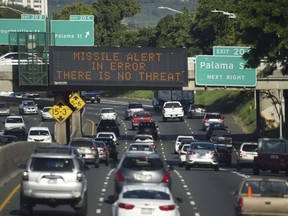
(171, 9)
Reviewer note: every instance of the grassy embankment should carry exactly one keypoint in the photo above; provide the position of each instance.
(238, 103)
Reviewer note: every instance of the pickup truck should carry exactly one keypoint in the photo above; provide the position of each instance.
(272, 155)
(172, 110)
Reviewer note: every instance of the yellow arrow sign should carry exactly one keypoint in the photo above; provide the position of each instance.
(60, 112)
(76, 101)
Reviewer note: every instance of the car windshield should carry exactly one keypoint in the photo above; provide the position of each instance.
(147, 125)
(100, 144)
(14, 120)
(220, 133)
(52, 164)
(146, 194)
(142, 163)
(266, 188)
(46, 109)
(39, 133)
(184, 138)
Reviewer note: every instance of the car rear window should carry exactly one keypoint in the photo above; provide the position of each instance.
(14, 120)
(107, 111)
(213, 116)
(146, 194)
(143, 163)
(105, 135)
(202, 146)
(140, 148)
(266, 188)
(46, 109)
(249, 148)
(171, 105)
(107, 123)
(81, 143)
(133, 106)
(275, 146)
(52, 164)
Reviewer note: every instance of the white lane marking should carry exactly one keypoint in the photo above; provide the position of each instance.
(98, 211)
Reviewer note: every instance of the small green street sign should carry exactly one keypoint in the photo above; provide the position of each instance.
(81, 18)
(32, 17)
(223, 71)
(72, 33)
(230, 50)
(18, 25)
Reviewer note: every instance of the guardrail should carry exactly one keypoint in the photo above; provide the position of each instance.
(13, 155)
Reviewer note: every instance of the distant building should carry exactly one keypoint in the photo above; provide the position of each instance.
(41, 6)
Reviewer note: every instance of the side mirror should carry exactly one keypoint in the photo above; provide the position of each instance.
(96, 124)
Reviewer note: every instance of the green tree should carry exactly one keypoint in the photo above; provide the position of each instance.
(109, 31)
(264, 25)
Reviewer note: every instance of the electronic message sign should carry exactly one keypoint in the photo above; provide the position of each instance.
(118, 66)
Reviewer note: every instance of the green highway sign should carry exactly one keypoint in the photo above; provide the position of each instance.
(230, 50)
(72, 33)
(81, 18)
(223, 71)
(32, 17)
(18, 25)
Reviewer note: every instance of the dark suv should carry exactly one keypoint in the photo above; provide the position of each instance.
(272, 155)
(148, 128)
(106, 125)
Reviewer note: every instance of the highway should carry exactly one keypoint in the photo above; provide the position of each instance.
(203, 191)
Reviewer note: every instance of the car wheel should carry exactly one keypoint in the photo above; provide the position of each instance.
(25, 208)
(238, 166)
(96, 164)
(82, 209)
(180, 164)
(286, 171)
(216, 168)
(133, 127)
(164, 119)
(181, 119)
(187, 167)
(107, 162)
(256, 170)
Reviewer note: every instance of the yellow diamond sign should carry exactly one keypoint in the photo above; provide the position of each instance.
(76, 101)
(60, 112)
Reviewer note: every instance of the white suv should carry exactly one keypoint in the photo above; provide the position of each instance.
(54, 177)
(14, 125)
(246, 154)
(179, 139)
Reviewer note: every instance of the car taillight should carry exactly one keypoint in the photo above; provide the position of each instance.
(119, 177)
(191, 153)
(125, 206)
(93, 148)
(25, 176)
(206, 119)
(240, 203)
(167, 207)
(79, 177)
(166, 177)
(129, 111)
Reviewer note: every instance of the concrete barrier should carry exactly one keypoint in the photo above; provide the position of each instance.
(13, 155)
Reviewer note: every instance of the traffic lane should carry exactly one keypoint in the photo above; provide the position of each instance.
(211, 191)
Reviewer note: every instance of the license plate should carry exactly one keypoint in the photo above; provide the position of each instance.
(274, 156)
(141, 177)
(146, 211)
(52, 181)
